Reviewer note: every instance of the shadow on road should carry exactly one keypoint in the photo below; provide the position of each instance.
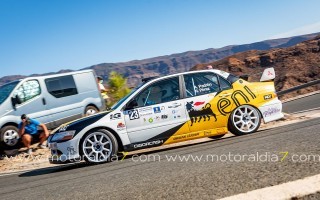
(72, 166)
(49, 170)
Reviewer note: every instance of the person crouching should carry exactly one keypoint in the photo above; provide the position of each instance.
(28, 130)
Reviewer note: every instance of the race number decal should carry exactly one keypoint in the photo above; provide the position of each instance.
(133, 114)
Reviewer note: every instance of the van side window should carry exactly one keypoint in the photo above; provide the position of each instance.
(62, 86)
(28, 90)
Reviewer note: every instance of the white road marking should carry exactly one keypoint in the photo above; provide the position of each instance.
(312, 109)
(298, 188)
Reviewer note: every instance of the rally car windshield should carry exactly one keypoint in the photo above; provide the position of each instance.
(116, 105)
(6, 89)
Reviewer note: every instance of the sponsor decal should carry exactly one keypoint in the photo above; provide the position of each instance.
(133, 114)
(63, 128)
(121, 125)
(206, 133)
(71, 150)
(196, 115)
(145, 114)
(203, 87)
(271, 111)
(175, 111)
(267, 97)
(145, 111)
(198, 103)
(174, 106)
(164, 116)
(225, 103)
(189, 135)
(146, 144)
(115, 116)
(157, 110)
(150, 120)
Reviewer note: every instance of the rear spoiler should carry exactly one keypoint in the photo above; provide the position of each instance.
(268, 74)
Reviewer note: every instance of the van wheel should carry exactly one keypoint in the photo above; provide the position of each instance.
(90, 110)
(244, 120)
(10, 137)
(99, 146)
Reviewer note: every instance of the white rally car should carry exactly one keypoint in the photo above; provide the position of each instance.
(170, 109)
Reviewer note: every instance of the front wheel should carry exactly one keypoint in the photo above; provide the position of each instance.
(244, 120)
(99, 146)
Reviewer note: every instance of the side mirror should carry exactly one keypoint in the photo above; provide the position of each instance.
(15, 100)
(132, 104)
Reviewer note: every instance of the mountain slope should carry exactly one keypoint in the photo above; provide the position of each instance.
(175, 63)
(180, 62)
(293, 65)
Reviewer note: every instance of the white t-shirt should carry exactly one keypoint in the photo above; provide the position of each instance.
(101, 86)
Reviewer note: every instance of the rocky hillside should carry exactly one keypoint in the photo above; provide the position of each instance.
(159, 66)
(175, 63)
(293, 65)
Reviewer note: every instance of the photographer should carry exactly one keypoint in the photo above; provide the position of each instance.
(28, 130)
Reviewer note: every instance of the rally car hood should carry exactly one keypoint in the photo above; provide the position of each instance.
(81, 123)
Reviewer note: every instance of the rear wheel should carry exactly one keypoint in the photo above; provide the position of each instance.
(99, 146)
(90, 110)
(244, 120)
(10, 137)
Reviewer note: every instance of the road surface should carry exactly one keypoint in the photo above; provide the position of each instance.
(209, 170)
(306, 103)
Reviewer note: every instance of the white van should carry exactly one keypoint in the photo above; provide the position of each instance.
(53, 100)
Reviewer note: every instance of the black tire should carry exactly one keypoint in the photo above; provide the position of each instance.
(10, 138)
(217, 136)
(243, 116)
(98, 146)
(90, 110)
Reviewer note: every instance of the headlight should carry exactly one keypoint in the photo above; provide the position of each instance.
(63, 136)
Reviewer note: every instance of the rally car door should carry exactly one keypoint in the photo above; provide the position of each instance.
(159, 112)
(208, 103)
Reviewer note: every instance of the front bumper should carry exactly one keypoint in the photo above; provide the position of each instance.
(64, 152)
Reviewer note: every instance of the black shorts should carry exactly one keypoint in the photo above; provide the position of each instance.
(35, 137)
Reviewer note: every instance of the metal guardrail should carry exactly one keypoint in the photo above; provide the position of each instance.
(311, 83)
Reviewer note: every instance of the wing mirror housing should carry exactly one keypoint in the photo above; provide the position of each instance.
(132, 104)
(15, 100)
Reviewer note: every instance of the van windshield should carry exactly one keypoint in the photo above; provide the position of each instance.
(6, 89)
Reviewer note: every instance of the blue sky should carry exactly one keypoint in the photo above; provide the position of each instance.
(38, 36)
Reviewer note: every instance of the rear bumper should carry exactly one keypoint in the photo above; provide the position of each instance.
(271, 110)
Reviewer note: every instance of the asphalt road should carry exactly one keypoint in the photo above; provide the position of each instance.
(305, 103)
(205, 179)
(209, 170)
